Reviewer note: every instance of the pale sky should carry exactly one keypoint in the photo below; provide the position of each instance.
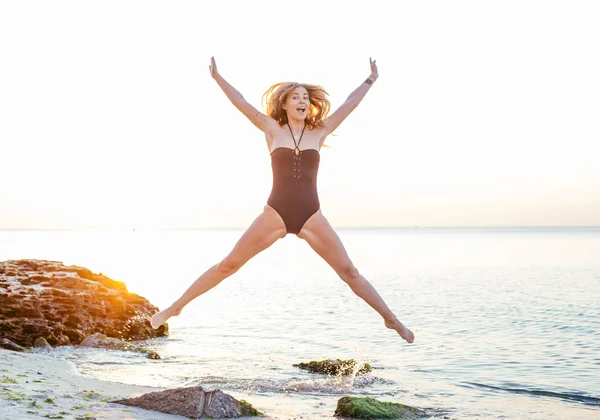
(484, 114)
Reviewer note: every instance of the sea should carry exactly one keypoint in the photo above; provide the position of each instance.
(506, 319)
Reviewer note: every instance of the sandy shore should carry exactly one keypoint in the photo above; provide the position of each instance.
(38, 385)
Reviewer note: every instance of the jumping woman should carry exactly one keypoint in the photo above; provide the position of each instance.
(295, 128)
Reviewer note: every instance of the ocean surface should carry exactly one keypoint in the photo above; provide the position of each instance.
(507, 320)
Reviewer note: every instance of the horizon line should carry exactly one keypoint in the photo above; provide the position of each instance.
(133, 228)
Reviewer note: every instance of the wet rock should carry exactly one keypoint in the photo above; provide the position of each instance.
(62, 340)
(370, 408)
(102, 341)
(41, 343)
(9, 345)
(193, 402)
(219, 405)
(334, 367)
(65, 304)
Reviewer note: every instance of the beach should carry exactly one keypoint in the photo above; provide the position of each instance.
(36, 384)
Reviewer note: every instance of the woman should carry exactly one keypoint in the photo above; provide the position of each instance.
(295, 128)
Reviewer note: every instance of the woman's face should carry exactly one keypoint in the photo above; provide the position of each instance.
(296, 104)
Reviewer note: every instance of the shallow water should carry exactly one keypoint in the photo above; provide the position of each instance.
(507, 320)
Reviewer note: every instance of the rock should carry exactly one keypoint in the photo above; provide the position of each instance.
(370, 408)
(9, 345)
(62, 340)
(65, 304)
(98, 340)
(219, 405)
(42, 343)
(334, 367)
(192, 402)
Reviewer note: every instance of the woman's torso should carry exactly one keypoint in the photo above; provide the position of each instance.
(294, 193)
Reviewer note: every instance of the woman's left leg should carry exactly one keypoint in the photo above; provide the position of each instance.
(322, 238)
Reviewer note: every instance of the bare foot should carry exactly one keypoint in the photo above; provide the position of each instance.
(161, 317)
(404, 332)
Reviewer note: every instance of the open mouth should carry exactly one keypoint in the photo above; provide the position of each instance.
(301, 109)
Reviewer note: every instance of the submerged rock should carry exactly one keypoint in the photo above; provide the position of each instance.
(193, 402)
(370, 408)
(334, 367)
(64, 304)
(102, 341)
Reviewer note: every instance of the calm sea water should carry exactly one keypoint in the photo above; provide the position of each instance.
(507, 320)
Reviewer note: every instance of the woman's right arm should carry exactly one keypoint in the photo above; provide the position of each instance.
(260, 120)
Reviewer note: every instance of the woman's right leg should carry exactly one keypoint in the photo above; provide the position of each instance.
(262, 233)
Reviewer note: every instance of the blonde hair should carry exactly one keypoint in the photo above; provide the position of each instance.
(277, 94)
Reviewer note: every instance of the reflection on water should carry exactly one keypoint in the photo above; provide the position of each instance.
(507, 321)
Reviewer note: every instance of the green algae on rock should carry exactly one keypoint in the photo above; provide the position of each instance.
(334, 367)
(369, 409)
(249, 410)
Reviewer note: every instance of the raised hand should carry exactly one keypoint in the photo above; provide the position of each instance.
(374, 71)
(213, 68)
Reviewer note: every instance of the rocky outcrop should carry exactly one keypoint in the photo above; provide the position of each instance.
(334, 367)
(370, 408)
(193, 402)
(64, 304)
(101, 341)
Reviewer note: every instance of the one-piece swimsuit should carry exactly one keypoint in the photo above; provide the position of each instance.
(294, 193)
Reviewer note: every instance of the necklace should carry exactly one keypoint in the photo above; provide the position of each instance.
(297, 145)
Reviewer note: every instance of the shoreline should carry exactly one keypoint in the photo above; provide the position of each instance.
(37, 385)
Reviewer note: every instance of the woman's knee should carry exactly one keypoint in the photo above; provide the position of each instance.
(228, 266)
(349, 274)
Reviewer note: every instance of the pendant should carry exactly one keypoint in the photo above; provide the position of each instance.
(297, 152)
(295, 137)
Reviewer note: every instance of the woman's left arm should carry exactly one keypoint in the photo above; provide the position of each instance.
(340, 114)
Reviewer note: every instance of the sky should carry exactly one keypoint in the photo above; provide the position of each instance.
(484, 113)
